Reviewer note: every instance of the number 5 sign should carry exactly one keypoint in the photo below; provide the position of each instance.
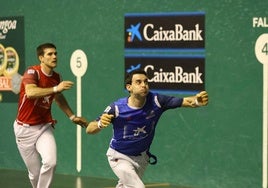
(261, 51)
(78, 65)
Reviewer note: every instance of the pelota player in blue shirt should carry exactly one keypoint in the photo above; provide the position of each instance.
(134, 120)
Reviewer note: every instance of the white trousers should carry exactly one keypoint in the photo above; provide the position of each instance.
(34, 142)
(129, 169)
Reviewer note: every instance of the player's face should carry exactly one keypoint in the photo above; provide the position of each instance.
(49, 58)
(139, 85)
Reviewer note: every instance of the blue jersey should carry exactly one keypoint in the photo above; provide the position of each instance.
(134, 128)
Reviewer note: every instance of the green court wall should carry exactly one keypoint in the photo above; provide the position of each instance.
(217, 146)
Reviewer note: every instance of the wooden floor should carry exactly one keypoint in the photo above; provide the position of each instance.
(19, 179)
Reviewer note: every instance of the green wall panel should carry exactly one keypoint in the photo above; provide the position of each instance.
(218, 146)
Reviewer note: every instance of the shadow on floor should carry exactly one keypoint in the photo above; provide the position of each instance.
(14, 178)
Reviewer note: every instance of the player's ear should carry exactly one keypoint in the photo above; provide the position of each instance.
(40, 58)
(128, 87)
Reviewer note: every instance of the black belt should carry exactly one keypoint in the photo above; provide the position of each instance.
(152, 158)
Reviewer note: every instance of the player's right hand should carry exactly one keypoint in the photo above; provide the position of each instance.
(64, 85)
(80, 121)
(202, 98)
(106, 120)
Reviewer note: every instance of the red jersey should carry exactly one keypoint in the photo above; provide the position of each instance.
(37, 110)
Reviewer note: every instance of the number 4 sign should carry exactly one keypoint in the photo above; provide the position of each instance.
(261, 51)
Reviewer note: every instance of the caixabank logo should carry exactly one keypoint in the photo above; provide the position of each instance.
(175, 73)
(165, 30)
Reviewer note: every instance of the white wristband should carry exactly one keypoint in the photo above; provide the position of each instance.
(55, 89)
(100, 125)
(197, 103)
(72, 117)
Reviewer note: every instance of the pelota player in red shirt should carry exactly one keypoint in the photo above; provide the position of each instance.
(33, 127)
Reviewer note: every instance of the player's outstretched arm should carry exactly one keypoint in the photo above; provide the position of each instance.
(92, 127)
(95, 126)
(64, 106)
(80, 121)
(33, 91)
(200, 99)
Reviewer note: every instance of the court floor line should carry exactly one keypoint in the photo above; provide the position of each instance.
(153, 185)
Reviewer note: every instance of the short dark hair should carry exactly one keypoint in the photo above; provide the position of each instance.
(129, 75)
(40, 49)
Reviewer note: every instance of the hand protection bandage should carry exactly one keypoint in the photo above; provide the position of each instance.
(100, 125)
(55, 89)
(72, 117)
(197, 103)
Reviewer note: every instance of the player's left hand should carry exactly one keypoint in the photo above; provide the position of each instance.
(80, 121)
(202, 98)
(105, 120)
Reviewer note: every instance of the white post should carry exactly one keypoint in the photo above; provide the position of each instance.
(261, 52)
(78, 128)
(78, 65)
(265, 123)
